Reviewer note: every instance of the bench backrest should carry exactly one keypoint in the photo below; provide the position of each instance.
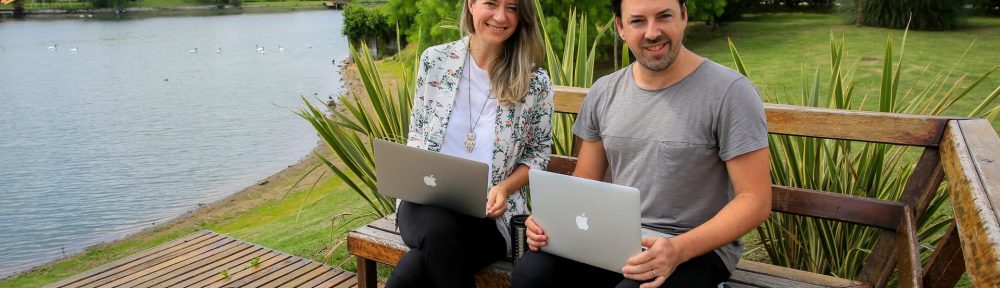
(942, 138)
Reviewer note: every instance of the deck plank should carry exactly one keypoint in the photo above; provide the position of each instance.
(305, 278)
(198, 259)
(214, 266)
(232, 266)
(104, 271)
(141, 276)
(187, 266)
(126, 270)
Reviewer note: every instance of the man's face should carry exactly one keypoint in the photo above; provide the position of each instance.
(653, 30)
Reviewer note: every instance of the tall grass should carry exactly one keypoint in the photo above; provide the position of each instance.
(862, 169)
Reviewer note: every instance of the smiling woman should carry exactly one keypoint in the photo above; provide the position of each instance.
(467, 95)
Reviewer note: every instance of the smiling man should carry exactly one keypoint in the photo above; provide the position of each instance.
(699, 158)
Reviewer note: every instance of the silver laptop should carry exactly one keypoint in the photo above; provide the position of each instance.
(431, 178)
(588, 221)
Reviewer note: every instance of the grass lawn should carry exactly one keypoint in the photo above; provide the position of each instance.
(779, 49)
(305, 224)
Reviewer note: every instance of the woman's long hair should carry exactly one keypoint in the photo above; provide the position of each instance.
(521, 55)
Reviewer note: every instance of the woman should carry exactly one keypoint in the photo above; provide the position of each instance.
(483, 98)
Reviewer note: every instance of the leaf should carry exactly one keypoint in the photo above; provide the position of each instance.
(255, 261)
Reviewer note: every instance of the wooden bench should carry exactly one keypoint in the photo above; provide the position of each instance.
(967, 151)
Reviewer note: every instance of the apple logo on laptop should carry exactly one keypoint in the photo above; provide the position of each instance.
(581, 222)
(430, 181)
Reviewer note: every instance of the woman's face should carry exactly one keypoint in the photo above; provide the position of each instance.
(494, 20)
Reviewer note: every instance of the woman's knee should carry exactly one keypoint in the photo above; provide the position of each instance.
(409, 271)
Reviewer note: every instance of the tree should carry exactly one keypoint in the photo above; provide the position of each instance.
(362, 23)
(918, 14)
(987, 7)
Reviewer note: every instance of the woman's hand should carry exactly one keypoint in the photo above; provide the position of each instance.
(496, 201)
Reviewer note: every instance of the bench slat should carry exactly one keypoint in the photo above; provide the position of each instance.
(971, 162)
(376, 245)
(913, 130)
(756, 274)
(835, 206)
(946, 265)
(908, 259)
(561, 164)
(569, 99)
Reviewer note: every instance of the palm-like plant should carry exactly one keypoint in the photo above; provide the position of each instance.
(575, 68)
(863, 169)
(382, 115)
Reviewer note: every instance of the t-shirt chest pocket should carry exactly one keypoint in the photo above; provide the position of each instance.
(679, 159)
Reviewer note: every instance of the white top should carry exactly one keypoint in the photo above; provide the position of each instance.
(459, 123)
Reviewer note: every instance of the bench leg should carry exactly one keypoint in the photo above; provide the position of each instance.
(367, 273)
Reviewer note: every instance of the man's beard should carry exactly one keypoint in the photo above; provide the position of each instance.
(665, 60)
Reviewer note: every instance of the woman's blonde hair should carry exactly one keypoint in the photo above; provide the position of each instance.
(521, 55)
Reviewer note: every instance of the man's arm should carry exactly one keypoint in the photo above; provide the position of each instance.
(751, 205)
(592, 161)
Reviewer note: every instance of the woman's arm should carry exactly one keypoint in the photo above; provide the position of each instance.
(537, 143)
(538, 129)
(417, 118)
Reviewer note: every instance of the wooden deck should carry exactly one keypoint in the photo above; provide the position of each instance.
(200, 259)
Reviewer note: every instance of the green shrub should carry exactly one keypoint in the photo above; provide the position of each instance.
(361, 23)
(926, 14)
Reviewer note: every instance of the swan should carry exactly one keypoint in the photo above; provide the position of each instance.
(219, 50)
(54, 47)
(259, 48)
(75, 49)
(281, 49)
(195, 50)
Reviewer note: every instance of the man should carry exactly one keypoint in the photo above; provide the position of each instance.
(690, 134)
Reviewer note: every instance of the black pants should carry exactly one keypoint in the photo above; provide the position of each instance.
(540, 269)
(446, 248)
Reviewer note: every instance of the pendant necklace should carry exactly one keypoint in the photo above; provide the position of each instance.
(470, 139)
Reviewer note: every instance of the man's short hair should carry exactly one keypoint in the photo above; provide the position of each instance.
(616, 6)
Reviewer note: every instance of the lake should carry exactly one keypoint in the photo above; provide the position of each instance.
(112, 125)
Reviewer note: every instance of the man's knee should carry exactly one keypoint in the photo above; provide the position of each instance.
(534, 269)
(628, 283)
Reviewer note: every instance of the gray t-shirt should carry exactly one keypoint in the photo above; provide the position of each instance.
(672, 143)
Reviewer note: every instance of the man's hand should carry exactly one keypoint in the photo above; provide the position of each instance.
(536, 236)
(496, 202)
(657, 263)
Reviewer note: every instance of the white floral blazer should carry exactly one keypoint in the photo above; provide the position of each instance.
(523, 131)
